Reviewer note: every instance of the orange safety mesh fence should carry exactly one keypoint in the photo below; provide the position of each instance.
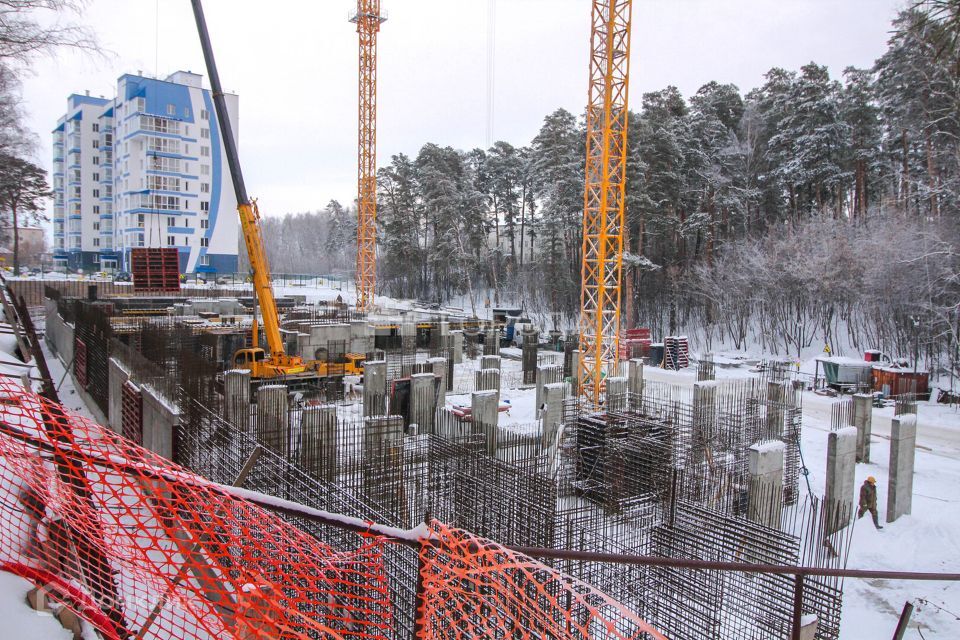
(475, 588)
(141, 548)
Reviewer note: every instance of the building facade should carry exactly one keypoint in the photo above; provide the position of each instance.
(145, 169)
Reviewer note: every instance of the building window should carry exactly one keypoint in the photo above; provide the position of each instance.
(140, 240)
(171, 241)
(204, 169)
(96, 127)
(96, 177)
(171, 110)
(204, 261)
(186, 112)
(204, 133)
(96, 242)
(204, 224)
(205, 207)
(204, 114)
(96, 143)
(96, 226)
(96, 193)
(204, 242)
(141, 104)
(205, 152)
(140, 221)
(171, 221)
(96, 209)
(96, 160)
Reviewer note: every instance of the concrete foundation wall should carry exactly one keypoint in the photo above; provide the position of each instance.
(58, 334)
(903, 446)
(160, 419)
(635, 383)
(116, 377)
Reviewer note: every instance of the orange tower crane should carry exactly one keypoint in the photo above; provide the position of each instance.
(368, 19)
(604, 195)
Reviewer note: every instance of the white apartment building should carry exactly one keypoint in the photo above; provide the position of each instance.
(145, 169)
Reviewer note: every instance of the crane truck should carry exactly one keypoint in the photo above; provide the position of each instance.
(263, 366)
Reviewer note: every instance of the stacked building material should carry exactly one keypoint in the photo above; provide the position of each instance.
(636, 344)
(676, 352)
(155, 269)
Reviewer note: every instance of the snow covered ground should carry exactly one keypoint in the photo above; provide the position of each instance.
(926, 540)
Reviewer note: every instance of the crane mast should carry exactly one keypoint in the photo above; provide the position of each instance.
(368, 20)
(279, 363)
(603, 208)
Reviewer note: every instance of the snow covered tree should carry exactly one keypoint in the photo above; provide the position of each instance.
(23, 191)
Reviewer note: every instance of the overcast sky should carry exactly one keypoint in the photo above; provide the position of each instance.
(294, 65)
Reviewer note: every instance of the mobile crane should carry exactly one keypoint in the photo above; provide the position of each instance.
(278, 364)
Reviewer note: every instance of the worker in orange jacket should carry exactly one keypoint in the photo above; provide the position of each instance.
(868, 500)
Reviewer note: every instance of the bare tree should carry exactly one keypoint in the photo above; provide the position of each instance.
(25, 33)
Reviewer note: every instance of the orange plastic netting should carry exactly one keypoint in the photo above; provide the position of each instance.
(141, 548)
(475, 588)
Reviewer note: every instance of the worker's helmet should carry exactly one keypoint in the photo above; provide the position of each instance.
(872, 480)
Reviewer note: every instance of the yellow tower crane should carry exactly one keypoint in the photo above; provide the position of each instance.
(368, 19)
(603, 220)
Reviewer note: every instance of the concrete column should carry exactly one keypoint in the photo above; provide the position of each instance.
(361, 337)
(490, 362)
(491, 342)
(318, 444)
(457, 346)
(554, 395)
(616, 394)
(775, 398)
(117, 375)
(903, 446)
(575, 372)
(438, 366)
(381, 433)
(766, 483)
(408, 338)
(444, 328)
(547, 374)
(529, 356)
(160, 420)
(635, 385)
(423, 401)
(236, 398)
(841, 477)
(487, 379)
(273, 418)
(704, 413)
(863, 421)
(374, 388)
(484, 407)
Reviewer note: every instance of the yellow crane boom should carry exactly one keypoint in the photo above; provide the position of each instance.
(278, 363)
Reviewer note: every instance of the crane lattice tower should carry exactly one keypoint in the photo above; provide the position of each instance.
(603, 218)
(368, 19)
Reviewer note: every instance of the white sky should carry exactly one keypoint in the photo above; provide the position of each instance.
(294, 65)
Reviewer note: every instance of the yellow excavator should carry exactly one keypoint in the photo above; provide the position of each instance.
(263, 365)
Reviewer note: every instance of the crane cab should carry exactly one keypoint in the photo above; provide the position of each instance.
(246, 358)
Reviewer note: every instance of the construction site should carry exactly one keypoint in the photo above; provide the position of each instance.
(289, 465)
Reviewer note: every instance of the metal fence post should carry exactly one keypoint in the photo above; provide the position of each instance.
(797, 605)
